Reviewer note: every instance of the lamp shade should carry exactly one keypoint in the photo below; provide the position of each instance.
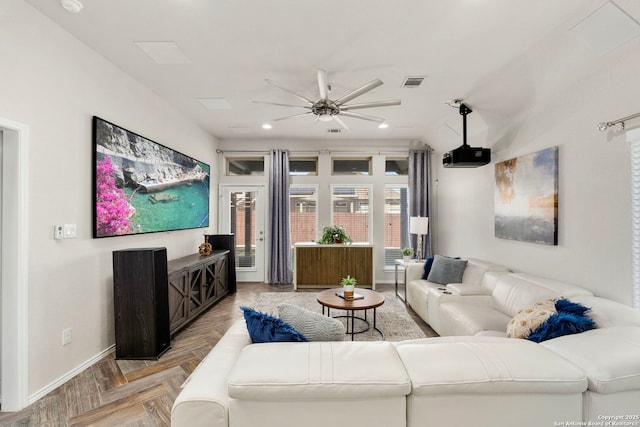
(418, 225)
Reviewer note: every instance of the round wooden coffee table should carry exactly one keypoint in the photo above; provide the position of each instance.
(372, 300)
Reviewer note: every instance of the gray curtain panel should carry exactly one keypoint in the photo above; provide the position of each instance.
(279, 228)
(420, 194)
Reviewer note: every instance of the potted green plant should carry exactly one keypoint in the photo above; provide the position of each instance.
(348, 285)
(334, 234)
(406, 254)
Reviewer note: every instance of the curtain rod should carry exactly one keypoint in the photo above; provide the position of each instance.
(605, 125)
(263, 152)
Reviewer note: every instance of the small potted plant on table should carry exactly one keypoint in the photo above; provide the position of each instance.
(348, 285)
(406, 254)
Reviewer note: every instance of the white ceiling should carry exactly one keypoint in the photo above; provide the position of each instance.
(500, 56)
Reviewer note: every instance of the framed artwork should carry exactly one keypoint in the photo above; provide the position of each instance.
(140, 186)
(526, 198)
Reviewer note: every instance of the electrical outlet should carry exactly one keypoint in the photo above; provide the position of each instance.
(58, 232)
(66, 336)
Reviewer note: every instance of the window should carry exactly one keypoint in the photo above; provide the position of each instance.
(350, 208)
(303, 166)
(303, 213)
(245, 166)
(393, 167)
(351, 166)
(396, 222)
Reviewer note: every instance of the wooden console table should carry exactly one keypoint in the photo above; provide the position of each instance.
(195, 283)
(323, 266)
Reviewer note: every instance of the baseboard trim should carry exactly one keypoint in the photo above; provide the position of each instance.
(72, 373)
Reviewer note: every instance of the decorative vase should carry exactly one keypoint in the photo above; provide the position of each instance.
(406, 258)
(348, 290)
(205, 248)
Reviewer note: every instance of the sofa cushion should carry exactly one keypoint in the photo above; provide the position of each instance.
(608, 356)
(264, 328)
(447, 270)
(481, 365)
(314, 326)
(606, 313)
(318, 370)
(460, 317)
(530, 318)
(511, 294)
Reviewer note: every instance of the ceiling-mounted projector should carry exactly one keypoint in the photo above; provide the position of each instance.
(466, 156)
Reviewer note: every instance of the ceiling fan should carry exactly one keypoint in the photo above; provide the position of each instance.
(326, 109)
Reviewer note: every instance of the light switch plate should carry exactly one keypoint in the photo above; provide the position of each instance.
(70, 231)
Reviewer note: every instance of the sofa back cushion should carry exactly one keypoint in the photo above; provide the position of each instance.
(607, 313)
(512, 294)
(562, 288)
(477, 269)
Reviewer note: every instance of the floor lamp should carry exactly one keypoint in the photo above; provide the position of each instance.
(419, 225)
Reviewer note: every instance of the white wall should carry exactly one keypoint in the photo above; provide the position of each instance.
(54, 84)
(594, 248)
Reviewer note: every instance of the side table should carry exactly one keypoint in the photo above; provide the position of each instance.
(402, 264)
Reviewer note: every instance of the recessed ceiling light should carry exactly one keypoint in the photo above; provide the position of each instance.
(164, 52)
(215, 103)
(266, 126)
(383, 125)
(73, 6)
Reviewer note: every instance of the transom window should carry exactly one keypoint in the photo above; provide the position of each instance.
(393, 167)
(352, 166)
(245, 166)
(307, 166)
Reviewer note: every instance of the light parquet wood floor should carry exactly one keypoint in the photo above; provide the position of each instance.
(141, 393)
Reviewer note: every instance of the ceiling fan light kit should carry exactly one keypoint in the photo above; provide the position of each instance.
(326, 110)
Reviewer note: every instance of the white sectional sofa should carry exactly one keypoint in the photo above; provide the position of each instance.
(471, 375)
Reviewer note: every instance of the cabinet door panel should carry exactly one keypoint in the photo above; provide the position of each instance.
(306, 265)
(178, 299)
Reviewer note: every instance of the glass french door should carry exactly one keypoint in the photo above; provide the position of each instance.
(242, 213)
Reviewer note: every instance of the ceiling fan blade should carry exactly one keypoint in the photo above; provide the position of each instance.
(361, 116)
(300, 97)
(354, 94)
(323, 85)
(341, 122)
(283, 105)
(291, 117)
(370, 105)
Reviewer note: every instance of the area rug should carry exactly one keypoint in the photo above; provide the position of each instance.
(392, 317)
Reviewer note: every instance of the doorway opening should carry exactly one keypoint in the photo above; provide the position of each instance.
(14, 262)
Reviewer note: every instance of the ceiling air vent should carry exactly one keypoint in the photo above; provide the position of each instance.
(334, 130)
(412, 82)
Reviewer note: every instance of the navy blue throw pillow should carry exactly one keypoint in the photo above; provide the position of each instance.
(265, 328)
(427, 267)
(570, 318)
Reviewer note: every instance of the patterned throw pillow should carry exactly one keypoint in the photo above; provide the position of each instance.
(570, 318)
(530, 318)
(265, 328)
(314, 326)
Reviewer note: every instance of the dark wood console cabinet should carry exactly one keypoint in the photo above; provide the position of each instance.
(195, 283)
